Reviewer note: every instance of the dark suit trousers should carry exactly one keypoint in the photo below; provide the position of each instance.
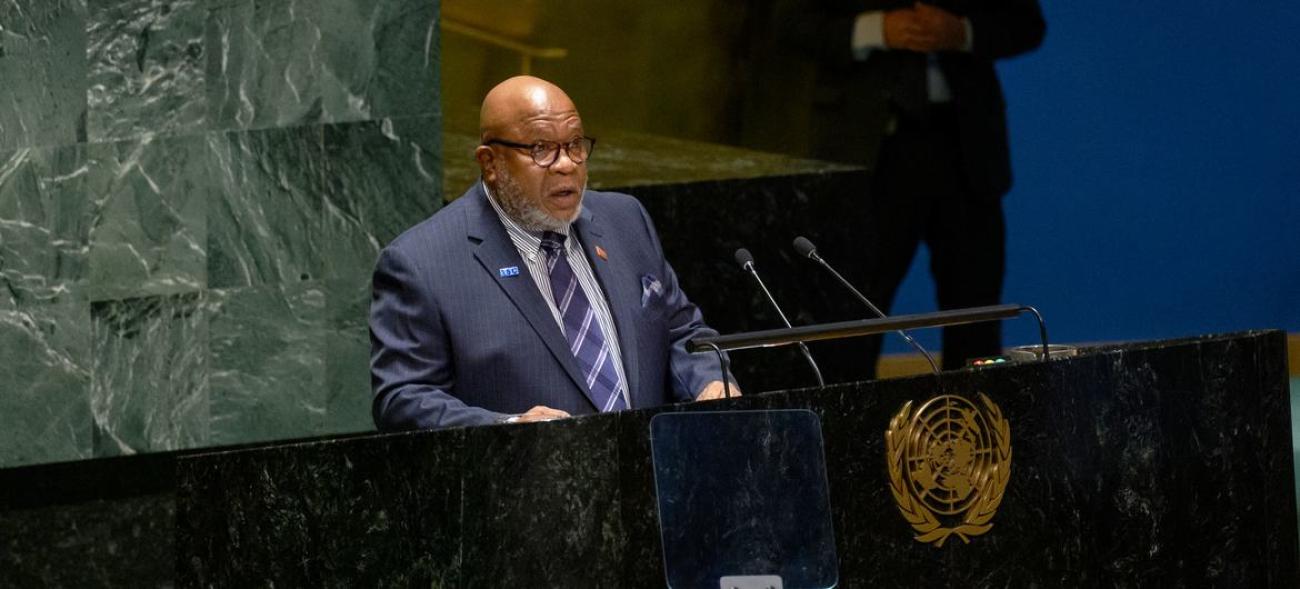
(920, 194)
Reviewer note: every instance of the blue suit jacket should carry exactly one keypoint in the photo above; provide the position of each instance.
(456, 342)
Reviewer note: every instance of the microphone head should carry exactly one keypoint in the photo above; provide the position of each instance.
(804, 247)
(744, 258)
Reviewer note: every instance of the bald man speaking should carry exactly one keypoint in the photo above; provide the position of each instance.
(530, 297)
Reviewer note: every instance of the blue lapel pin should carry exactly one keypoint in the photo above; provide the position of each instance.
(508, 272)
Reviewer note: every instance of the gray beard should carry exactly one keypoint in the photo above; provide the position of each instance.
(524, 211)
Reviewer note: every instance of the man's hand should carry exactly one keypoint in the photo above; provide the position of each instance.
(924, 29)
(714, 390)
(901, 28)
(541, 413)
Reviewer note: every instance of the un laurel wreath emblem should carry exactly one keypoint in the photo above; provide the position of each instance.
(949, 463)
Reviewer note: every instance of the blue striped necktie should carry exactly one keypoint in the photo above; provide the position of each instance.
(582, 329)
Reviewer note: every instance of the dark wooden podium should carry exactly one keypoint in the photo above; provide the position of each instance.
(1153, 464)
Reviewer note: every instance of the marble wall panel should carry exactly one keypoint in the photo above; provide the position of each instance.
(149, 233)
(268, 355)
(43, 65)
(347, 357)
(166, 163)
(45, 219)
(277, 64)
(44, 383)
(374, 55)
(381, 178)
(149, 389)
(264, 225)
(146, 68)
(263, 64)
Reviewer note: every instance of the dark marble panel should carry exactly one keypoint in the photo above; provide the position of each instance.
(1148, 489)
(82, 481)
(149, 232)
(347, 357)
(1043, 526)
(381, 178)
(1280, 560)
(1055, 474)
(1247, 379)
(1127, 507)
(641, 563)
(764, 215)
(352, 513)
(542, 505)
(264, 226)
(124, 542)
(268, 362)
(44, 383)
(149, 389)
(1144, 465)
(43, 64)
(45, 219)
(379, 59)
(146, 68)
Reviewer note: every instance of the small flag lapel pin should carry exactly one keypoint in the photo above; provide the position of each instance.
(508, 272)
(600, 253)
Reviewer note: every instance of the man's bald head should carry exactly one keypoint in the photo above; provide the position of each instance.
(515, 102)
(533, 152)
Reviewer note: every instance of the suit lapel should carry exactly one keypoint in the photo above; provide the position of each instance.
(495, 251)
(621, 286)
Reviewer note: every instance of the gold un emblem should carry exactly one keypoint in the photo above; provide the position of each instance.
(949, 463)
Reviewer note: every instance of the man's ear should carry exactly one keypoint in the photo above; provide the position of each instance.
(485, 157)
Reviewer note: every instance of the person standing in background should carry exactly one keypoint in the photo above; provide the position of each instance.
(909, 91)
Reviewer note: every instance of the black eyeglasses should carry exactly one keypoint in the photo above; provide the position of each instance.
(545, 153)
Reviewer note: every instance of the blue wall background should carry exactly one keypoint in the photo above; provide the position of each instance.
(1156, 150)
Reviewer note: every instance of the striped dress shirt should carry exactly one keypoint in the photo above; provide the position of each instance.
(529, 244)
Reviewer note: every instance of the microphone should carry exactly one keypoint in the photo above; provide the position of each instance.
(806, 249)
(746, 261)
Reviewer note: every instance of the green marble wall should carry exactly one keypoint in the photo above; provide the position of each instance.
(192, 194)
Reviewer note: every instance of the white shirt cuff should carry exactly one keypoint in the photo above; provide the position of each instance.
(868, 33)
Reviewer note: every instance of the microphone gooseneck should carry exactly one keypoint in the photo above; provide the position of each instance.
(723, 365)
(806, 249)
(746, 262)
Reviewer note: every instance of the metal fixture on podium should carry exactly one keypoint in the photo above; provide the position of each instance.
(843, 329)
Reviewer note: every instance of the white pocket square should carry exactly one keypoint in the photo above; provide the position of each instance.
(650, 287)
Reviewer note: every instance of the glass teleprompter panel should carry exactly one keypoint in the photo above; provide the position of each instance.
(743, 500)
